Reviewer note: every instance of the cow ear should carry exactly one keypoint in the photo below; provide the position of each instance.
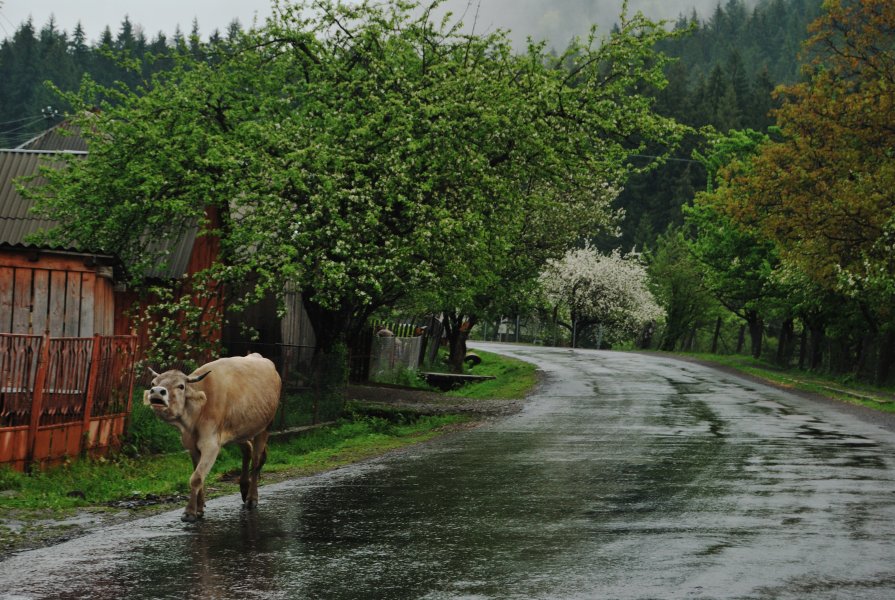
(196, 398)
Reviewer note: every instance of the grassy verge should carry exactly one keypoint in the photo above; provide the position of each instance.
(513, 378)
(99, 482)
(844, 389)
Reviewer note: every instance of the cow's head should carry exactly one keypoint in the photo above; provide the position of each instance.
(172, 394)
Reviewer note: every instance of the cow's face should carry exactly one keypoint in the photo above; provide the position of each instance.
(172, 394)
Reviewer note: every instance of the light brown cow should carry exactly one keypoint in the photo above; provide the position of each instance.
(226, 400)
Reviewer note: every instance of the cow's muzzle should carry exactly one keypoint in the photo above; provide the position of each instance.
(158, 396)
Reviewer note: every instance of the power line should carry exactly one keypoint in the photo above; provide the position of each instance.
(686, 160)
(21, 127)
(20, 120)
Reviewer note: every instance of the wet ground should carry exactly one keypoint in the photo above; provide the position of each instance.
(624, 476)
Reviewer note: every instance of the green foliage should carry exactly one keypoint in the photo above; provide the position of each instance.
(10, 479)
(677, 281)
(147, 434)
(365, 154)
(738, 263)
(725, 71)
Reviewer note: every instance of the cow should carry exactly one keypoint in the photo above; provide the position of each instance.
(227, 400)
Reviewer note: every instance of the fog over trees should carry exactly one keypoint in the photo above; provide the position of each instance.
(559, 20)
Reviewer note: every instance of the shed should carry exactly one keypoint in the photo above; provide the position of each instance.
(66, 379)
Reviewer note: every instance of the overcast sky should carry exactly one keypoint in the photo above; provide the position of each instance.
(556, 20)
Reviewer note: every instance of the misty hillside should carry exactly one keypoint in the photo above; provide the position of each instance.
(557, 21)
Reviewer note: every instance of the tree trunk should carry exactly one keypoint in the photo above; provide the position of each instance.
(716, 335)
(741, 339)
(646, 336)
(815, 347)
(457, 331)
(803, 346)
(756, 331)
(784, 343)
(691, 339)
(885, 357)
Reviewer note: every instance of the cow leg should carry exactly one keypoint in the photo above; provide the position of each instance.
(244, 478)
(259, 457)
(208, 453)
(200, 501)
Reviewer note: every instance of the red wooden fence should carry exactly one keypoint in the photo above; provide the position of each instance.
(61, 397)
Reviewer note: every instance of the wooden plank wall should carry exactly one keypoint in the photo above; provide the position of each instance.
(59, 295)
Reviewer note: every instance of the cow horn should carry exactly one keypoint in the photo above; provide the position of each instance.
(198, 378)
(154, 374)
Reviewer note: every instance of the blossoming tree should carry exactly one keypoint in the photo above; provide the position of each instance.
(592, 289)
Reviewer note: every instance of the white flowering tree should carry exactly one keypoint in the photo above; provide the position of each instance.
(592, 289)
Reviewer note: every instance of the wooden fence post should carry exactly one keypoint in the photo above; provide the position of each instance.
(131, 381)
(95, 369)
(40, 378)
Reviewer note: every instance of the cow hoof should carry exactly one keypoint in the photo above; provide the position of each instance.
(250, 504)
(188, 518)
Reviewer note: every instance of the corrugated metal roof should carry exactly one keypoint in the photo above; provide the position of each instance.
(17, 222)
(64, 137)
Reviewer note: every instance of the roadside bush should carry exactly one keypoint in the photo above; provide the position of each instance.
(10, 479)
(147, 433)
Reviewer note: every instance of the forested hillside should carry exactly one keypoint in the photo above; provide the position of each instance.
(725, 72)
(32, 57)
(727, 67)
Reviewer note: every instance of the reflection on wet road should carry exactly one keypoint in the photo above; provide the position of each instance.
(626, 476)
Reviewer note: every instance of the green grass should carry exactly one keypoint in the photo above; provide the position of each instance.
(152, 460)
(102, 481)
(842, 388)
(514, 378)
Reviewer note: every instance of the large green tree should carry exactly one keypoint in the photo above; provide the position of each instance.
(363, 153)
(738, 262)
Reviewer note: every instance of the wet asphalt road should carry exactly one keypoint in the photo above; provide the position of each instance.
(626, 476)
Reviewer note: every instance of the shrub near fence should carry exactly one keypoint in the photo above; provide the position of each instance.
(60, 397)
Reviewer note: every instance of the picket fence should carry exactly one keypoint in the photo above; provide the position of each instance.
(63, 397)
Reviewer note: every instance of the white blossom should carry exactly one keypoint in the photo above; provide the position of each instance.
(607, 290)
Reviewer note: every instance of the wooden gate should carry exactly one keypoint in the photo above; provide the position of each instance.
(61, 397)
